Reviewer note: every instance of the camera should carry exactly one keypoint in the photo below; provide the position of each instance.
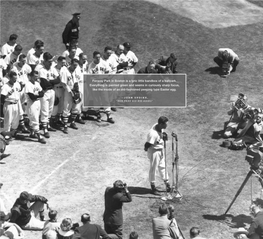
(165, 136)
(74, 226)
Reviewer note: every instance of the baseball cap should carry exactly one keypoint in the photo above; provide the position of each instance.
(24, 195)
(76, 14)
(118, 184)
(127, 44)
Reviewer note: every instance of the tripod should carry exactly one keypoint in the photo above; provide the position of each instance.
(251, 171)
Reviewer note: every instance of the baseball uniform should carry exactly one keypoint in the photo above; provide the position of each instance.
(132, 58)
(7, 49)
(11, 107)
(47, 101)
(11, 59)
(156, 154)
(66, 53)
(3, 67)
(32, 59)
(119, 59)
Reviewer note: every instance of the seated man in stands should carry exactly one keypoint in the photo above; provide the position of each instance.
(24, 214)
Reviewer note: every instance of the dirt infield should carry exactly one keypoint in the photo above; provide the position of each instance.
(215, 14)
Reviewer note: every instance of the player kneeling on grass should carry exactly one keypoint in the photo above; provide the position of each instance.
(227, 60)
(25, 215)
(9, 230)
(34, 92)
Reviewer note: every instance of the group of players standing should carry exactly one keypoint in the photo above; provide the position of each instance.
(50, 90)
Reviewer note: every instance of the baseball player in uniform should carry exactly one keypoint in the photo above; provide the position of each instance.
(132, 58)
(3, 67)
(11, 58)
(155, 151)
(8, 47)
(99, 66)
(227, 60)
(22, 69)
(70, 80)
(10, 95)
(48, 76)
(74, 44)
(33, 92)
(71, 31)
(120, 58)
(56, 116)
(35, 54)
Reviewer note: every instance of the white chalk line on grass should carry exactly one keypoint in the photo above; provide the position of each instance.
(53, 172)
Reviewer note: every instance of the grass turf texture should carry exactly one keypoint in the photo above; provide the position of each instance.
(96, 156)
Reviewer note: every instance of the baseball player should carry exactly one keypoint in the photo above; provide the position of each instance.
(132, 58)
(3, 68)
(8, 47)
(35, 54)
(71, 30)
(11, 58)
(227, 60)
(155, 150)
(56, 116)
(33, 92)
(99, 66)
(72, 105)
(111, 61)
(49, 77)
(10, 95)
(120, 58)
(74, 44)
(22, 69)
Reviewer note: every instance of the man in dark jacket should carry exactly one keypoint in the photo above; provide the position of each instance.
(71, 31)
(90, 231)
(114, 199)
(256, 228)
(24, 214)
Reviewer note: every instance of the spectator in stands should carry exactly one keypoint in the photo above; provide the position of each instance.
(51, 226)
(89, 230)
(9, 46)
(114, 199)
(194, 233)
(9, 230)
(65, 231)
(25, 215)
(133, 235)
(161, 224)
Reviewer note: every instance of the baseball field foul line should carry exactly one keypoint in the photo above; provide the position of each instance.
(33, 190)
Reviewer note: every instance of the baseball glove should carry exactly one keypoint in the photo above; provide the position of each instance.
(56, 101)
(76, 97)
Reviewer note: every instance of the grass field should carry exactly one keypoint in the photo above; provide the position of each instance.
(73, 171)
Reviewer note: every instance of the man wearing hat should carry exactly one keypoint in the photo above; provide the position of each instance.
(25, 215)
(131, 57)
(71, 31)
(114, 199)
(195, 233)
(89, 230)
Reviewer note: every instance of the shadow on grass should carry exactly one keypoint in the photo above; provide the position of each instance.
(233, 221)
(214, 70)
(139, 190)
(218, 134)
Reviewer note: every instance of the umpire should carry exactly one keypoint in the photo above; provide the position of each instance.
(71, 31)
(114, 199)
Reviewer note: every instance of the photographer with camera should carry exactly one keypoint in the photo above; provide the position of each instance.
(155, 150)
(237, 112)
(251, 133)
(114, 199)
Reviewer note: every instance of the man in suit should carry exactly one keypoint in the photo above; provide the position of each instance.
(161, 224)
(89, 230)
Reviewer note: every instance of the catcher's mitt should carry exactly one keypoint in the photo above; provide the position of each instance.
(56, 101)
(76, 97)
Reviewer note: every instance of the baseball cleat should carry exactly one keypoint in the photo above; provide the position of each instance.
(73, 125)
(46, 135)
